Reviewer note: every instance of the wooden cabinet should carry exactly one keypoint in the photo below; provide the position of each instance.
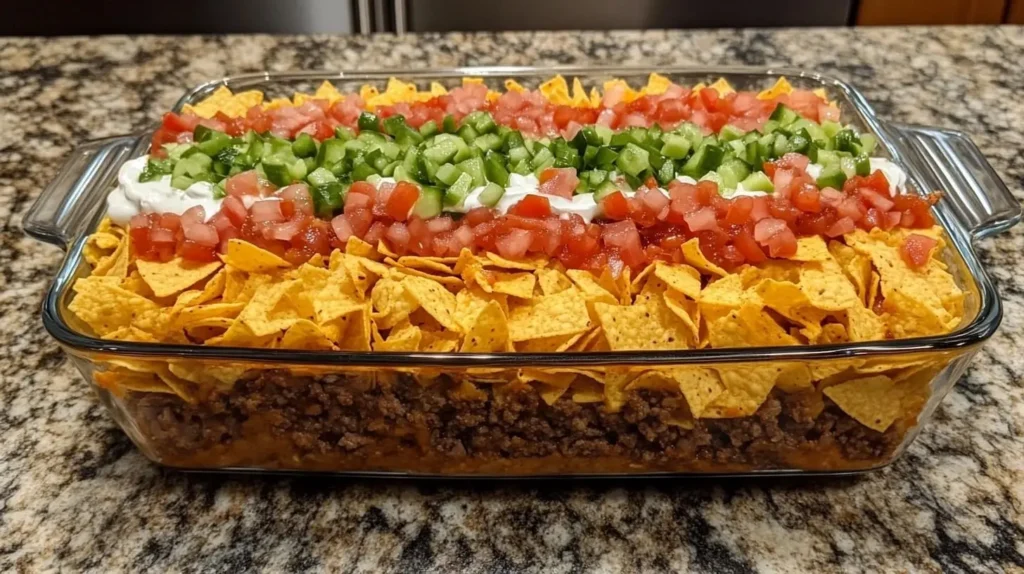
(906, 12)
(1015, 12)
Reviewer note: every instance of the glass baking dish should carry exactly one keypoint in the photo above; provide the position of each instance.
(420, 414)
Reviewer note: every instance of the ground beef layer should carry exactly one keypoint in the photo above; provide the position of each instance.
(276, 420)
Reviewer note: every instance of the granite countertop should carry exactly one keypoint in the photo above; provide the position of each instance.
(74, 493)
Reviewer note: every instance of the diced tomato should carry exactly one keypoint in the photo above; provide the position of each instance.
(375, 233)
(614, 206)
(514, 244)
(807, 199)
(197, 252)
(298, 197)
(401, 200)
(359, 220)
(739, 211)
(234, 210)
(201, 234)
(559, 181)
(477, 216)
(917, 249)
(267, 210)
(703, 219)
(748, 247)
(357, 198)
(782, 244)
(876, 199)
(842, 226)
(532, 206)
(245, 183)
(671, 112)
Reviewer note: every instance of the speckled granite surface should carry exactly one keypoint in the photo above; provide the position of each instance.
(75, 495)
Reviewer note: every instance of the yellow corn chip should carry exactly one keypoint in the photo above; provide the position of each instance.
(208, 328)
(360, 248)
(782, 87)
(489, 332)
(556, 91)
(700, 386)
(695, 257)
(514, 284)
(337, 299)
(722, 87)
(833, 333)
(470, 301)
(525, 264)
(656, 85)
(552, 281)
(688, 312)
(405, 338)
(748, 326)
(250, 258)
(811, 248)
(563, 313)
(513, 86)
(116, 264)
(213, 288)
(425, 263)
(872, 401)
(554, 344)
(652, 326)
(724, 295)
(827, 287)
(189, 315)
(305, 334)
(106, 307)
(434, 299)
(682, 278)
(172, 277)
(263, 315)
(863, 325)
(391, 302)
(746, 388)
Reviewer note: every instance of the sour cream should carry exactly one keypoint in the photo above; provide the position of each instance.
(896, 176)
(521, 186)
(132, 197)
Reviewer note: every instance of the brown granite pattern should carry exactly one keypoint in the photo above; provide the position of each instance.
(75, 495)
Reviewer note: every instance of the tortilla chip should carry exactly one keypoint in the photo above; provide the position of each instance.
(116, 264)
(641, 327)
(105, 306)
(564, 313)
(250, 258)
(872, 401)
(699, 385)
(174, 276)
(863, 325)
(827, 287)
(748, 326)
(695, 257)
(305, 334)
(489, 332)
(720, 297)
(682, 278)
(746, 388)
(552, 281)
(434, 299)
(405, 337)
(391, 302)
(470, 301)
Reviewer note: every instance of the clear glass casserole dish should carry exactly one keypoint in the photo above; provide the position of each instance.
(421, 414)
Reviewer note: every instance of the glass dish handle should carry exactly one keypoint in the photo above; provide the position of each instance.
(66, 207)
(948, 160)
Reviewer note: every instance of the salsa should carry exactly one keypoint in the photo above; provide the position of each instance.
(636, 229)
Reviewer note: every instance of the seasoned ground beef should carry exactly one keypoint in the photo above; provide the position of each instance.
(278, 420)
